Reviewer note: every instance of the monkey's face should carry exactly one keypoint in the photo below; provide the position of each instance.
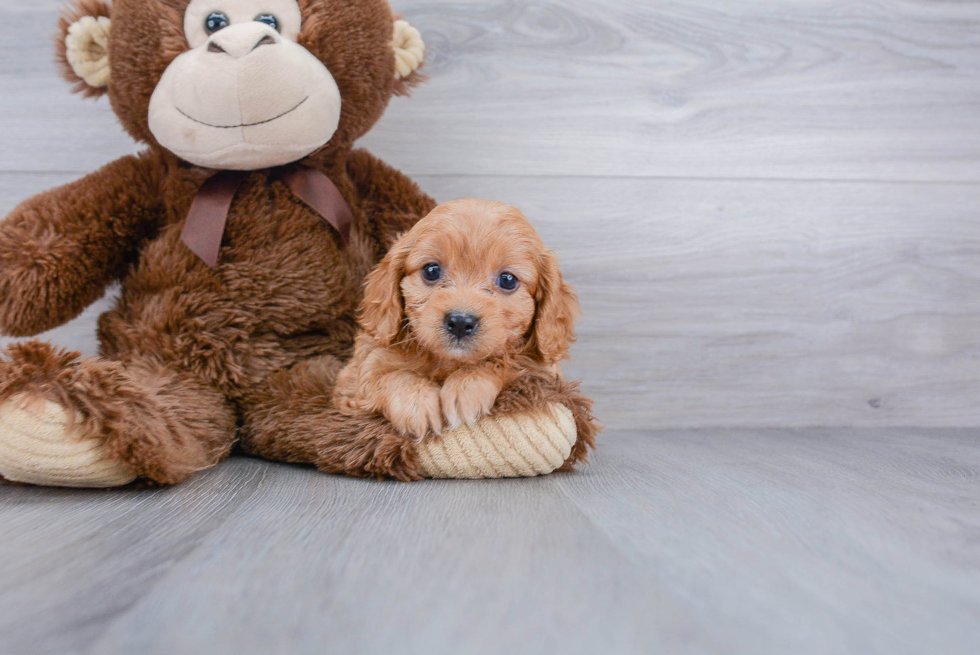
(246, 95)
(241, 84)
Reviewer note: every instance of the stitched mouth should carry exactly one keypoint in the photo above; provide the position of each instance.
(232, 127)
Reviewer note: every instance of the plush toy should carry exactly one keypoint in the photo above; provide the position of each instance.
(241, 237)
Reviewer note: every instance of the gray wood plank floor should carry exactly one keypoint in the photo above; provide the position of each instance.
(810, 541)
(770, 212)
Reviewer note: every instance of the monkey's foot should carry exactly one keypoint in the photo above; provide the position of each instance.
(44, 443)
(514, 445)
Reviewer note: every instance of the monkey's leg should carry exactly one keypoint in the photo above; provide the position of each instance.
(94, 422)
(539, 424)
(292, 418)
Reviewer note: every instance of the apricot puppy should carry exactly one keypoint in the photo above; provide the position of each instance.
(463, 303)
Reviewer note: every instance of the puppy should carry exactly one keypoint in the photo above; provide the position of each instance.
(462, 304)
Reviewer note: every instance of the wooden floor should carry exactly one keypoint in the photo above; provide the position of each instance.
(735, 541)
(771, 212)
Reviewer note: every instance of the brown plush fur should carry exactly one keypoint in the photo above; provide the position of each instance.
(189, 352)
(181, 425)
(366, 444)
(148, 34)
(406, 364)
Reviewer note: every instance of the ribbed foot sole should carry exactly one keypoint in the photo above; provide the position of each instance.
(40, 444)
(511, 446)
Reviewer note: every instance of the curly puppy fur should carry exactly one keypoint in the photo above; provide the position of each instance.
(410, 367)
(189, 353)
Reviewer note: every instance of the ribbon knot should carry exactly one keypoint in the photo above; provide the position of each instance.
(205, 224)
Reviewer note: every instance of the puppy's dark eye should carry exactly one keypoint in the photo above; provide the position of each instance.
(269, 20)
(507, 281)
(215, 21)
(431, 272)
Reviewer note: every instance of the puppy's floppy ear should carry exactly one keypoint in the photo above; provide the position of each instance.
(383, 311)
(557, 309)
(82, 46)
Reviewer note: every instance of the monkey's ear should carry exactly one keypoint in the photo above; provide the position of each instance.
(409, 56)
(82, 46)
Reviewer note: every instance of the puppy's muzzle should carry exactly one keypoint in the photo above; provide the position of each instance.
(461, 325)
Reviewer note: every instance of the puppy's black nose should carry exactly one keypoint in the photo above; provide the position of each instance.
(461, 325)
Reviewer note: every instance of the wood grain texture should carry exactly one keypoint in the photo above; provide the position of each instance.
(806, 89)
(748, 303)
(772, 89)
(711, 303)
(769, 210)
(809, 541)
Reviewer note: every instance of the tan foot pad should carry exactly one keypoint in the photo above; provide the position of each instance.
(39, 444)
(511, 446)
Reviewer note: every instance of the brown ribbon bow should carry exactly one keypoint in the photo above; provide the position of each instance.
(206, 220)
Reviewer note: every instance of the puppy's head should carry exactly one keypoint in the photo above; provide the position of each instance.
(470, 281)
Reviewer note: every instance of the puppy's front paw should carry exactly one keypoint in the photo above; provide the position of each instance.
(468, 395)
(413, 409)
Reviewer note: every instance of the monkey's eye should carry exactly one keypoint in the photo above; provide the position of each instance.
(431, 272)
(215, 21)
(507, 281)
(269, 20)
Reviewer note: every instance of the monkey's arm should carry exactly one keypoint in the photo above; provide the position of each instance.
(60, 249)
(393, 202)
